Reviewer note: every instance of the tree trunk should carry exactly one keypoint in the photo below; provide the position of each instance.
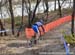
(28, 8)
(59, 8)
(73, 14)
(2, 29)
(55, 6)
(12, 16)
(33, 17)
(70, 3)
(47, 7)
(19, 30)
(30, 13)
(46, 4)
(22, 11)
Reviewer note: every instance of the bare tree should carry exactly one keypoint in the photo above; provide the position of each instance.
(18, 33)
(47, 8)
(12, 16)
(22, 11)
(31, 13)
(46, 4)
(55, 5)
(28, 9)
(37, 4)
(2, 3)
(59, 8)
(73, 14)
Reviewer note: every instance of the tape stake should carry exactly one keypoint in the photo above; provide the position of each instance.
(66, 46)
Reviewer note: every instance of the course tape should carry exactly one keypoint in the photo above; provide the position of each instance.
(29, 31)
(7, 30)
(4, 30)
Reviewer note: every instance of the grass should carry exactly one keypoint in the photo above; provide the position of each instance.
(69, 38)
(17, 20)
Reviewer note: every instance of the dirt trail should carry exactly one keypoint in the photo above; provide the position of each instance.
(51, 42)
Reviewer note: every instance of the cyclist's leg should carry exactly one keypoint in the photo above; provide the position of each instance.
(35, 28)
(43, 28)
(37, 34)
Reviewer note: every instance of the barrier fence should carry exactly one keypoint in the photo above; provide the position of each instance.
(29, 31)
